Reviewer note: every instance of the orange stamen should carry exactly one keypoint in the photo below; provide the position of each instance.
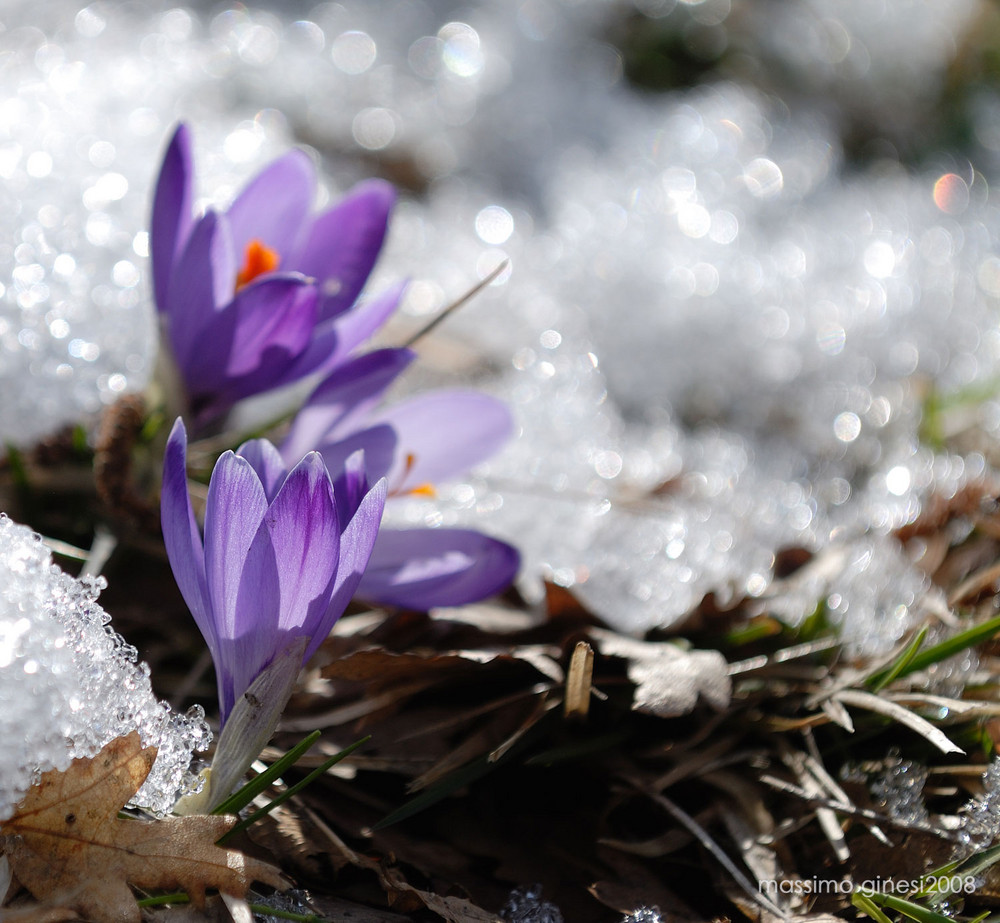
(257, 260)
(421, 490)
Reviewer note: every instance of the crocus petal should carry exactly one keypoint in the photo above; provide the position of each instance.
(443, 433)
(266, 327)
(357, 325)
(290, 570)
(344, 396)
(335, 339)
(265, 459)
(303, 526)
(344, 243)
(275, 317)
(350, 485)
(247, 725)
(201, 284)
(171, 220)
(233, 514)
(424, 568)
(356, 544)
(378, 443)
(181, 535)
(273, 206)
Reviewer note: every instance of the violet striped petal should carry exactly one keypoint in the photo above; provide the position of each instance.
(335, 339)
(344, 243)
(233, 514)
(379, 444)
(305, 531)
(358, 324)
(266, 327)
(273, 206)
(356, 546)
(441, 434)
(289, 571)
(201, 284)
(351, 485)
(171, 220)
(424, 568)
(265, 459)
(346, 395)
(274, 320)
(181, 536)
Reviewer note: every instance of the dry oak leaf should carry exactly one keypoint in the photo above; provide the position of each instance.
(67, 842)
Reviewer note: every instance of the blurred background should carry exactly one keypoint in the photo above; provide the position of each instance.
(750, 313)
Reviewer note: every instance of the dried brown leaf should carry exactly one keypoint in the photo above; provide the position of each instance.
(38, 914)
(404, 897)
(384, 668)
(336, 908)
(634, 884)
(293, 836)
(67, 841)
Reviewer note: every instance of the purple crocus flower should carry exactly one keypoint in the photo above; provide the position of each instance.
(263, 293)
(282, 555)
(413, 444)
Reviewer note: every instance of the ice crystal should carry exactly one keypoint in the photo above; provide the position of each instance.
(980, 817)
(525, 905)
(287, 902)
(69, 684)
(899, 789)
(644, 915)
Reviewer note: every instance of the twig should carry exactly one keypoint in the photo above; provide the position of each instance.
(455, 305)
(865, 814)
(717, 852)
(101, 549)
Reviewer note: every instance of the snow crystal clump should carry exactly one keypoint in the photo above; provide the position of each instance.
(981, 815)
(525, 905)
(644, 915)
(69, 684)
(900, 790)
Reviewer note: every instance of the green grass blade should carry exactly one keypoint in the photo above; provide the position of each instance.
(579, 749)
(293, 790)
(243, 796)
(868, 907)
(815, 624)
(465, 775)
(955, 871)
(754, 631)
(915, 912)
(882, 678)
(947, 648)
(179, 897)
(17, 468)
(81, 444)
(158, 900)
(265, 911)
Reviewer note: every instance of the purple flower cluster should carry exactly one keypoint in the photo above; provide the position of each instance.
(257, 297)
(282, 555)
(264, 293)
(412, 444)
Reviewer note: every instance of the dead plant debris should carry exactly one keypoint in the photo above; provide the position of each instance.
(687, 772)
